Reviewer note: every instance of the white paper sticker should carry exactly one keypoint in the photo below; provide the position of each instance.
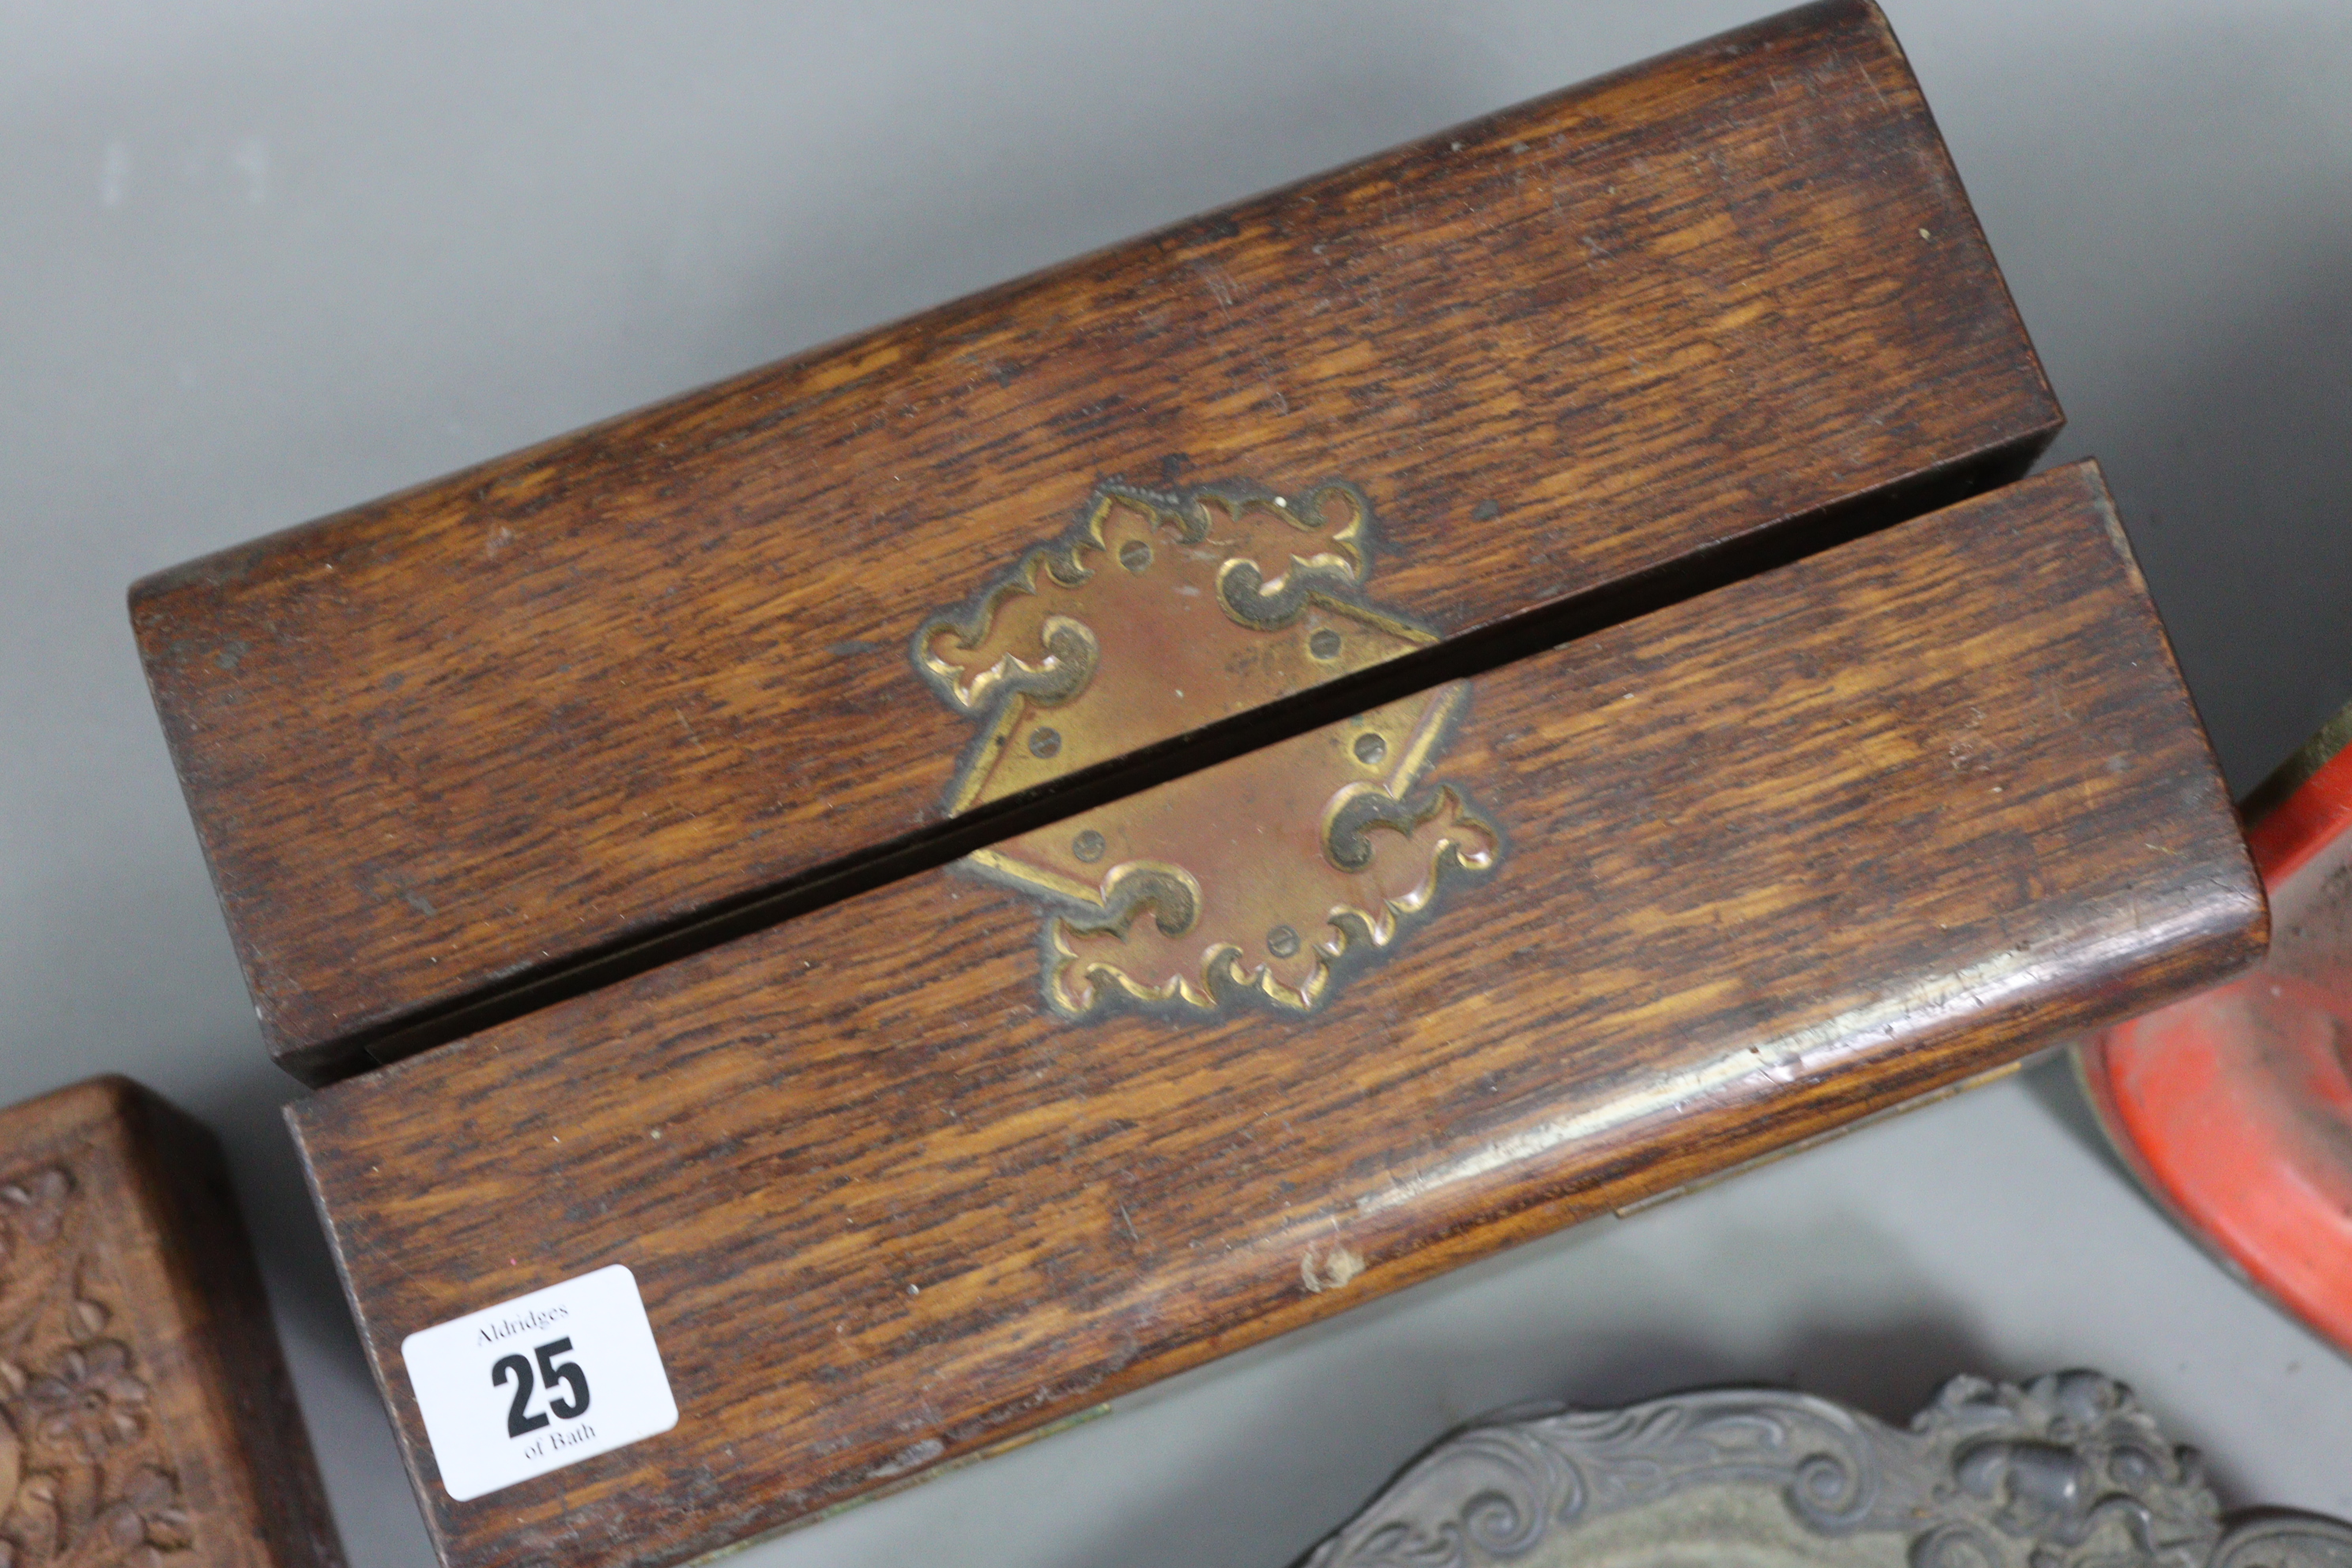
(539, 1383)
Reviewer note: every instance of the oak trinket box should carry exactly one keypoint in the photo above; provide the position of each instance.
(860, 912)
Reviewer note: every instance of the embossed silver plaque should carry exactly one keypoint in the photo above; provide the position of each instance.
(2065, 1472)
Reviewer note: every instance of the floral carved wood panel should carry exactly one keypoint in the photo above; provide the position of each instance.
(88, 1480)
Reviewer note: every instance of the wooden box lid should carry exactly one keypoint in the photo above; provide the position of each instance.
(914, 1173)
(492, 740)
(149, 1419)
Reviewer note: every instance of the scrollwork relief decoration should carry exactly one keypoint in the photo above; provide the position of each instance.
(2068, 1471)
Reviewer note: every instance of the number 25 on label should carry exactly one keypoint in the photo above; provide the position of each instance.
(515, 1369)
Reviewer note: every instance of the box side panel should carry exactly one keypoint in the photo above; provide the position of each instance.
(219, 1291)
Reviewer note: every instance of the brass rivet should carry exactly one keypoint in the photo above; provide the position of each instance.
(1324, 644)
(1135, 555)
(1282, 941)
(1045, 742)
(1088, 846)
(1370, 749)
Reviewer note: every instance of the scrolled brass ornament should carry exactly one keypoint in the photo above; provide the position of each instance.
(1161, 611)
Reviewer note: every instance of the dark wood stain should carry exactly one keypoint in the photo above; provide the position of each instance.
(505, 725)
(1811, 846)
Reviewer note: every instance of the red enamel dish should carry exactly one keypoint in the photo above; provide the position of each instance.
(2235, 1106)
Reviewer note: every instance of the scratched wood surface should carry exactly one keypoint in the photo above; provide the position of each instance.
(469, 735)
(1761, 863)
(148, 1416)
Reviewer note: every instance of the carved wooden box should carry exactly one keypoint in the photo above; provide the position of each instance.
(146, 1414)
(876, 906)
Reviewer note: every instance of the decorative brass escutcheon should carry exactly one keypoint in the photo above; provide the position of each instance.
(1161, 611)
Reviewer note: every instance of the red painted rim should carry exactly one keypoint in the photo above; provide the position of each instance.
(2235, 1106)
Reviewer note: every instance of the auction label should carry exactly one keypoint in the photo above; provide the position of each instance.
(539, 1383)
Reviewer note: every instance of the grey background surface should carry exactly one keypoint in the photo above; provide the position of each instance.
(261, 259)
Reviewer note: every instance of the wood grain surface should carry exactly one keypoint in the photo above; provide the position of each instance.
(476, 736)
(1764, 862)
(149, 1419)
